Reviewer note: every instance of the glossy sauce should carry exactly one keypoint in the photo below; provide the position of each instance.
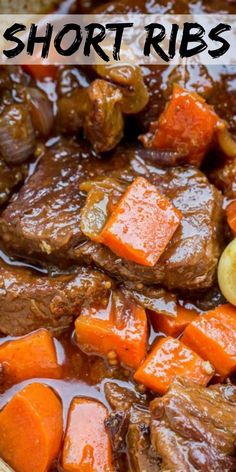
(86, 375)
(82, 375)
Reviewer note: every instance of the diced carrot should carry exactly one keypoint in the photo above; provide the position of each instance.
(31, 428)
(213, 336)
(231, 215)
(87, 446)
(99, 330)
(142, 224)
(41, 72)
(173, 326)
(168, 359)
(187, 125)
(31, 356)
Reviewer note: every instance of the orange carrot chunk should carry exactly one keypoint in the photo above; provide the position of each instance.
(213, 336)
(231, 215)
(173, 326)
(142, 224)
(86, 446)
(31, 356)
(120, 327)
(31, 429)
(186, 125)
(41, 72)
(168, 359)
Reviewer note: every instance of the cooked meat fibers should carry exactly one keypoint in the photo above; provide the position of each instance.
(225, 178)
(193, 428)
(190, 260)
(29, 301)
(43, 220)
(141, 455)
(10, 177)
(120, 398)
(128, 427)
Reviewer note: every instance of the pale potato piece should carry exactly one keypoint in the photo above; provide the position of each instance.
(227, 272)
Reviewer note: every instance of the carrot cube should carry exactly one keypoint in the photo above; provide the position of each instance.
(173, 326)
(86, 446)
(41, 72)
(99, 331)
(31, 356)
(142, 224)
(31, 428)
(186, 125)
(168, 359)
(213, 337)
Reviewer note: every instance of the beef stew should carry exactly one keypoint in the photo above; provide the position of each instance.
(118, 347)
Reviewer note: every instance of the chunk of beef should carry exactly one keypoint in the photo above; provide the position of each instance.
(99, 109)
(152, 298)
(141, 455)
(129, 80)
(10, 177)
(29, 301)
(44, 218)
(120, 398)
(208, 300)
(193, 428)
(190, 259)
(224, 177)
(117, 425)
(96, 109)
(128, 427)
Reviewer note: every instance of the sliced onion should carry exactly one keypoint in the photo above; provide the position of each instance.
(41, 110)
(95, 213)
(102, 194)
(162, 158)
(17, 137)
(227, 143)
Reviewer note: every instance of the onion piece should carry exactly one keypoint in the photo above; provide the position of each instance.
(41, 110)
(5, 467)
(17, 137)
(227, 272)
(162, 158)
(101, 196)
(130, 81)
(227, 143)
